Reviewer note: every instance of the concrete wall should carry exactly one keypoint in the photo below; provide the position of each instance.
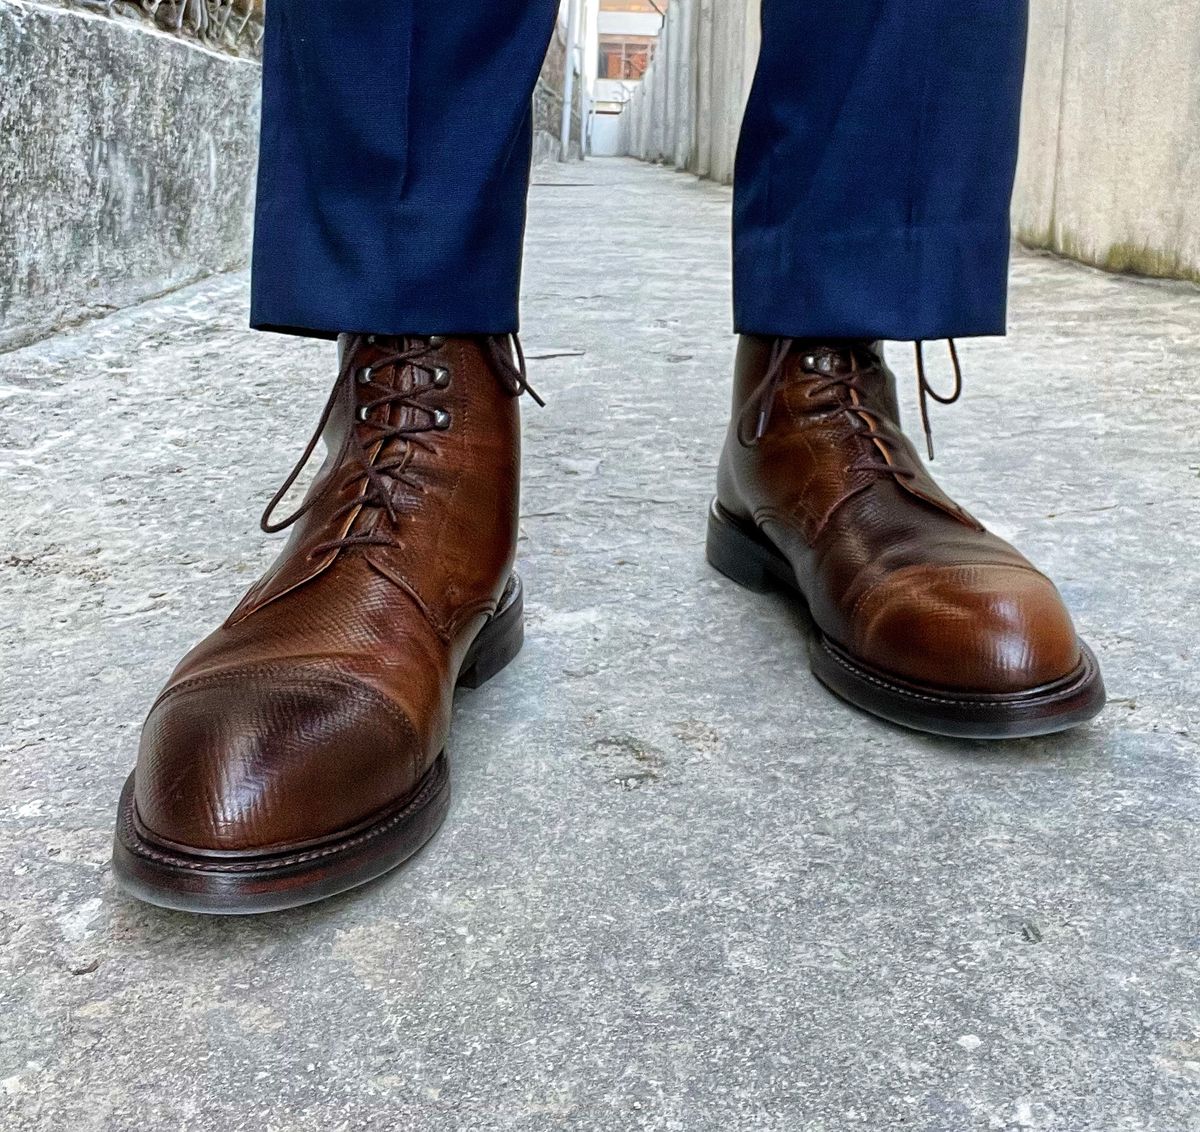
(231, 26)
(688, 108)
(1110, 135)
(126, 164)
(548, 100)
(1110, 138)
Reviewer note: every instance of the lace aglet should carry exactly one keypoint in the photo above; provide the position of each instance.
(534, 394)
(929, 444)
(760, 427)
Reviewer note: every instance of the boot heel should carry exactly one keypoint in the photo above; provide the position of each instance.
(736, 555)
(498, 643)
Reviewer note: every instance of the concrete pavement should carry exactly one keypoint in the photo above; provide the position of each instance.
(680, 887)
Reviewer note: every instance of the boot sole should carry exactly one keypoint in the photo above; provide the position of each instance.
(230, 885)
(747, 556)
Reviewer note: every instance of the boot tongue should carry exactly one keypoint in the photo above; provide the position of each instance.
(862, 359)
(872, 398)
(389, 376)
(361, 350)
(372, 351)
(839, 357)
(370, 372)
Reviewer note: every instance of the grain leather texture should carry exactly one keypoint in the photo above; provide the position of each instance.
(326, 696)
(894, 571)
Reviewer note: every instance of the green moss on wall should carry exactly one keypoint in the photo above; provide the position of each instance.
(1134, 260)
(1122, 259)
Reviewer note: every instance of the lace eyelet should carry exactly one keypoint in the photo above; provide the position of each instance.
(441, 420)
(364, 375)
(363, 412)
(441, 378)
(436, 341)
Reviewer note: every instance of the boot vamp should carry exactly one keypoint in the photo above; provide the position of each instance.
(311, 715)
(913, 591)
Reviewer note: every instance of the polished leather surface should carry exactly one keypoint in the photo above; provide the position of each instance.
(894, 571)
(327, 693)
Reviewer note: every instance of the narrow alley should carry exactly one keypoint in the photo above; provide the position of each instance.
(677, 874)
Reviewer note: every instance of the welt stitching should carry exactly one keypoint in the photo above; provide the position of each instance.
(1085, 667)
(136, 845)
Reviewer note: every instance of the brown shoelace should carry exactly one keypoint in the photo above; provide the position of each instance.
(925, 390)
(762, 400)
(370, 430)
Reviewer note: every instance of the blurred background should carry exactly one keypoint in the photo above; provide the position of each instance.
(127, 132)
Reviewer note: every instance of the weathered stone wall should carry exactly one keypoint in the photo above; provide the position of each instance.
(126, 164)
(1110, 135)
(233, 26)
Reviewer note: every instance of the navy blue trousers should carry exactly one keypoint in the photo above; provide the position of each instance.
(871, 193)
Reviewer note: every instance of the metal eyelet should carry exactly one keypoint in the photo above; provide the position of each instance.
(809, 361)
(441, 377)
(364, 375)
(437, 340)
(441, 420)
(363, 412)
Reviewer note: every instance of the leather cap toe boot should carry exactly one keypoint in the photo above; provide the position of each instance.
(300, 749)
(922, 616)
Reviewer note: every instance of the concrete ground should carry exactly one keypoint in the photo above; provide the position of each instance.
(680, 887)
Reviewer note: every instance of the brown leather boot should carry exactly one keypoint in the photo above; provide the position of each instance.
(299, 750)
(922, 616)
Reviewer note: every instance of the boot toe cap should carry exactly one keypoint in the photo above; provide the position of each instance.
(252, 762)
(992, 629)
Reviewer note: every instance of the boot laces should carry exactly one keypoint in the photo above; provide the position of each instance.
(369, 403)
(863, 360)
(925, 390)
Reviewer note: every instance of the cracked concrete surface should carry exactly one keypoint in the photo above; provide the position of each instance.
(680, 886)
